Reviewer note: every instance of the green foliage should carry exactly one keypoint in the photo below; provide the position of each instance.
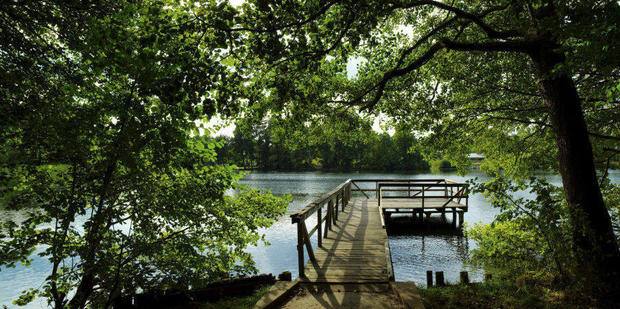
(438, 165)
(535, 292)
(458, 101)
(529, 233)
(247, 302)
(507, 246)
(345, 142)
(96, 155)
(611, 194)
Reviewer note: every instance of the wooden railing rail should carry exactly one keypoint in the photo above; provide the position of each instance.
(335, 201)
(379, 180)
(451, 190)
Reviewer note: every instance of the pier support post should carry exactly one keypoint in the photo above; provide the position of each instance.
(439, 278)
(464, 277)
(429, 278)
(454, 217)
(461, 219)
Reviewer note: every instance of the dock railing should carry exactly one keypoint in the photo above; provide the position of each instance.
(334, 202)
(416, 189)
(446, 189)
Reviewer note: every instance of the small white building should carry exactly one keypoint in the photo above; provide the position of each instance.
(475, 157)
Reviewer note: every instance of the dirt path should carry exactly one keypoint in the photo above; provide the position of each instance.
(343, 296)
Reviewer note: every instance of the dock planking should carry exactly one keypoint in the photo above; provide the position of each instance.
(354, 251)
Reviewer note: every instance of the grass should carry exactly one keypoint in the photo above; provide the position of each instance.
(500, 294)
(241, 302)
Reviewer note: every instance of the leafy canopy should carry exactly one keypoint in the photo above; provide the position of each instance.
(97, 156)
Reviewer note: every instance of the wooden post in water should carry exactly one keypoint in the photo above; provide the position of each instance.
(438, 277)
(464, 277)
(429, 278)
(454, 217)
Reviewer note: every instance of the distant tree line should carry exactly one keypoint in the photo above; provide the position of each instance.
(343, 145)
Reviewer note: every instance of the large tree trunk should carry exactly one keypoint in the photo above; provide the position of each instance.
(594, 244)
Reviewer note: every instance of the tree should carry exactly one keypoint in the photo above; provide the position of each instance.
(102, 99)
(513, 70)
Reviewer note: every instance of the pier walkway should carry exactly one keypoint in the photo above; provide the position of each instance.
(351, 244)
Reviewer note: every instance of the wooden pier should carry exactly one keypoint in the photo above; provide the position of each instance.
(348, 261)
(351, 243)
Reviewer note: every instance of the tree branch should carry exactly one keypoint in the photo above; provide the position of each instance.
(491, 33)
(520, 46)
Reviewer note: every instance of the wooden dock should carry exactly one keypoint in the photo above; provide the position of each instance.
(350, 265)
(351, 243)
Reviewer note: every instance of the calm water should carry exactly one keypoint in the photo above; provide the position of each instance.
(412, 252)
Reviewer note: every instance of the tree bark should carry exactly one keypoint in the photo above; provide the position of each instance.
(594, 244)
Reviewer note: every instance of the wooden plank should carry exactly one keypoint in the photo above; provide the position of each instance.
(354, 249)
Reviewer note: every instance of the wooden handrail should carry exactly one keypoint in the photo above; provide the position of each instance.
(339, 196)
(421, 186)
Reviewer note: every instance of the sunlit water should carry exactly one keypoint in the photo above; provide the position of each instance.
(413, 252)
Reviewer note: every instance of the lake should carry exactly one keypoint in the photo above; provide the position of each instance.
(413, 253)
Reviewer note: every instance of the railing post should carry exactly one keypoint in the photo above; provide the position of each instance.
(336, 208)
(348, 193)
(330, 209)
(300, 249)
(343, 197)
(422, 196)
(319, 229)
(328, 219)
(408, 188)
